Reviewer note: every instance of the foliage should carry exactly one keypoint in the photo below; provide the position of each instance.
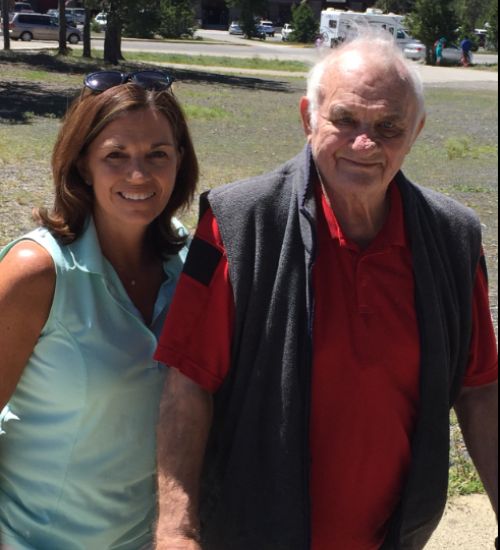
(493, 24)
(250, 10)
(395, 6)
(141, 19)
(177, 18)
(304, 23)
(431, 20)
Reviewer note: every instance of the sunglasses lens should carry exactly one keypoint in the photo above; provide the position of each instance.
(153, 80)
(99, 82)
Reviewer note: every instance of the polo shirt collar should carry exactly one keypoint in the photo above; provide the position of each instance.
(86, 251)
(87, 255)
(393, 232)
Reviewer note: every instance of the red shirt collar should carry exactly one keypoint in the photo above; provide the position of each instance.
(393, 232)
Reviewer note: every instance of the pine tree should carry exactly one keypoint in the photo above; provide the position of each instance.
(432, 20)
(304, 23)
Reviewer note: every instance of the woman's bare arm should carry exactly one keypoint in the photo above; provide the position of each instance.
(27, 284)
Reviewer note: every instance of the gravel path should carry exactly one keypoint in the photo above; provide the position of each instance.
(469, 524)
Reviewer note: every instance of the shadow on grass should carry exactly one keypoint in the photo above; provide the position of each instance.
(19, 100)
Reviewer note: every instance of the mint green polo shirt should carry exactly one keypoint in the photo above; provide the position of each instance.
(77, 439)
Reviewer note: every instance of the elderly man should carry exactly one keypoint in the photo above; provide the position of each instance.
(329, 315)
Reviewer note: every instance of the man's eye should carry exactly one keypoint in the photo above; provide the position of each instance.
(389, 128)
(345, 121)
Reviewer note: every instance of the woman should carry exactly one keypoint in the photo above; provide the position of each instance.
(439, 47)
(83, 299)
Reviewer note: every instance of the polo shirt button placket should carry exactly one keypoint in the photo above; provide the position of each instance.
(362, 288)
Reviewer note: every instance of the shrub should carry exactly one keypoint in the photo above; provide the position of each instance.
(177, 19)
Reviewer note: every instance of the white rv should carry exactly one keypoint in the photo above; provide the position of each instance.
(338, 25)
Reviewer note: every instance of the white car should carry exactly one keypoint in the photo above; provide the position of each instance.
(101, 19)
(286, 32)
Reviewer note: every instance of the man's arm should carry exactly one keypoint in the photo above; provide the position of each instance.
(185, 421)
(477, 412)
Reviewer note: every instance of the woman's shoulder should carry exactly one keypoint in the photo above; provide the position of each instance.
(28, 262)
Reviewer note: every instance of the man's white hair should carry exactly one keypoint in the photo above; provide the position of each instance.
(374, 44)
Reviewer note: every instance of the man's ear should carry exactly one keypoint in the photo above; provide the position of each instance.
(418, 131)
(421, 126)
(306, 115)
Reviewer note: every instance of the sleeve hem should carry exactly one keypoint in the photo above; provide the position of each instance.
(483, 379)
(189, 368)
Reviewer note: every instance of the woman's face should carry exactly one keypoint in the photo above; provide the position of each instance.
(132, 166)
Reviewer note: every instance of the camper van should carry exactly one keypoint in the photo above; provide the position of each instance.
(338, 25)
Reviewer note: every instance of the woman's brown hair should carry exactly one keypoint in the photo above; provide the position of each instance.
(87, 117)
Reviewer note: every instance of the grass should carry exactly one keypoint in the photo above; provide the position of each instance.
(255, 63)
(241, 131)
(492, 67)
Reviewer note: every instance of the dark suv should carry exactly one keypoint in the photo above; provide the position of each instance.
(35, 26)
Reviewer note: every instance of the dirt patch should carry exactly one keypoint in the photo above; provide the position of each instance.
(469, 523)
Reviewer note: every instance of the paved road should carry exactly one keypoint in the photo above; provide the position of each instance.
(225, 45)
(228, 46)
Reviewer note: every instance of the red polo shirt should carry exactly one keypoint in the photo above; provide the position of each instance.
(365, 368)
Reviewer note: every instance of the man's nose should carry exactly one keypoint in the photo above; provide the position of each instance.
(364, 143)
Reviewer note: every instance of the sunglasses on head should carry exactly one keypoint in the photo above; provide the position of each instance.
(157, 81)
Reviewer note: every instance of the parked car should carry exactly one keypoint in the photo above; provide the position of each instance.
(22, 7)
(235, 28)
(101, 19)
(261, 32)
(481, 37)
(415, 51)
(267, 27)
(452, 55)
(286, 32)
(70, 20)
(77, 14)
(35, 26)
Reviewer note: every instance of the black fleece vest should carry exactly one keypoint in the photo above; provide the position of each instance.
(255, 490)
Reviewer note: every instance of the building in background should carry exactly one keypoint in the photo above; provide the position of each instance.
(216, 14)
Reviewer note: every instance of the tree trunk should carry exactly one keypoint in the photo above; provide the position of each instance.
(113, 40)
(87, 42)
(5, 24)
(63, 48)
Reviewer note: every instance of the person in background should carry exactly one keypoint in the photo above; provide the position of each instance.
(329, 315)
(466, 46)
(438, 50)
(83, 299)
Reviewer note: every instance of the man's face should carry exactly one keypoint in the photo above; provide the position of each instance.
(367, 123)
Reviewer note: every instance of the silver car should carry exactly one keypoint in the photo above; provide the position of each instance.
(35, 26)
(416, 51)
